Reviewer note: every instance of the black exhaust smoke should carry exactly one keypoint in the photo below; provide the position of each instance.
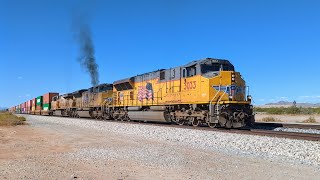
(86, 49)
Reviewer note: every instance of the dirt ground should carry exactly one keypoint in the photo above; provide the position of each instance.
(287, 118)
(58, 152)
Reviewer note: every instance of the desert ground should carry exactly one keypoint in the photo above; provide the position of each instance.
(287, 118)
(49, 149)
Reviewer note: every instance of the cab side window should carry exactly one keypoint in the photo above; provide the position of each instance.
(162, 75)
(191, 71)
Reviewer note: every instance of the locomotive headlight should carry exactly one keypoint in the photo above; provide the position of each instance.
(233, 77)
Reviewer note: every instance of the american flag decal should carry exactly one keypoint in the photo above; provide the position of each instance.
(145, 92)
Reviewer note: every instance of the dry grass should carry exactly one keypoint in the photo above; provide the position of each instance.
(8, 119)
(310, 120)
(270, 119)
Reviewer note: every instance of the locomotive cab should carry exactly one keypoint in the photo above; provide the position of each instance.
(228, 103)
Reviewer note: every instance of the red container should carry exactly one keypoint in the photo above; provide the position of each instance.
(47, 98)
(33, 102)
(30, 104)
(38, 107)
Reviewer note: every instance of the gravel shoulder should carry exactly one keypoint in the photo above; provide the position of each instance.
(65, 148)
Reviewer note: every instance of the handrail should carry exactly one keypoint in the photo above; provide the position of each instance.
(223, 94)
(215, 95)
(217, 103)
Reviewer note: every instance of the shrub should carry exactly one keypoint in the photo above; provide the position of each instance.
(270, 119)
(289, 110)
(311, 119)
(8, 119)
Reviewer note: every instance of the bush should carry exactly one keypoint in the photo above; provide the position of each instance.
(289, 110)
(270, 119)
(8, 119)
(311, 119)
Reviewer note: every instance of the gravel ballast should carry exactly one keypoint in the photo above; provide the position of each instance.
(269, 148)
(297, 130)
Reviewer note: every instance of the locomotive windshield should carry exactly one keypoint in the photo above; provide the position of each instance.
(214, 67)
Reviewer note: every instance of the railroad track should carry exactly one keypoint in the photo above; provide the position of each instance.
(288, 125)
(247, 131)
(279, 134)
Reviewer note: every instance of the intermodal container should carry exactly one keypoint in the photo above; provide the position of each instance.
(33, 105)
(29, 105)
(47, 98)
(47, 106)
(25, 107)
(21, 108)
(18, 109)
(39, 102)
(34, 102)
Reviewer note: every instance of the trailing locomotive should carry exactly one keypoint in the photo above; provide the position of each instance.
(83, 103)
(208, 91)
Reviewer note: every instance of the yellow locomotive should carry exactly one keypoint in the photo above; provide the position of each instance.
(83, 103)
(208, 91)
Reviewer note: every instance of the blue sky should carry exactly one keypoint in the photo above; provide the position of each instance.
(274, 44)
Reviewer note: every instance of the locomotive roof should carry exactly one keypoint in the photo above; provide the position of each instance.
(201, 61)
(205, 60)
(100, 85)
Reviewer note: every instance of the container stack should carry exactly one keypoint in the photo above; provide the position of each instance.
(21, 107)
(47, 98)
(29, 107)
(18, 109)
(39, 103)
(24, 108)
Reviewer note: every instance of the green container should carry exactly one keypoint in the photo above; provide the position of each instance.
(39, 101)
(46, 107)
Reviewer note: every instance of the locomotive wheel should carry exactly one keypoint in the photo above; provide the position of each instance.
(180, 122)
(212, 125)
(228, 124)
(223, 121)
(195, 122)
(237, 125)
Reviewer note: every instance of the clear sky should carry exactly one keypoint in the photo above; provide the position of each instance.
(274, 44)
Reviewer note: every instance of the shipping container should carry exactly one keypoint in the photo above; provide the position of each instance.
(18, 109)
(33, 106)
(47, 107)
(24, 107)
(39, 101)
(47, 98)
(34, 102)
(29, 105)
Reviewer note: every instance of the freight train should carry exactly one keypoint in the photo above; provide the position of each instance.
(207, 91)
